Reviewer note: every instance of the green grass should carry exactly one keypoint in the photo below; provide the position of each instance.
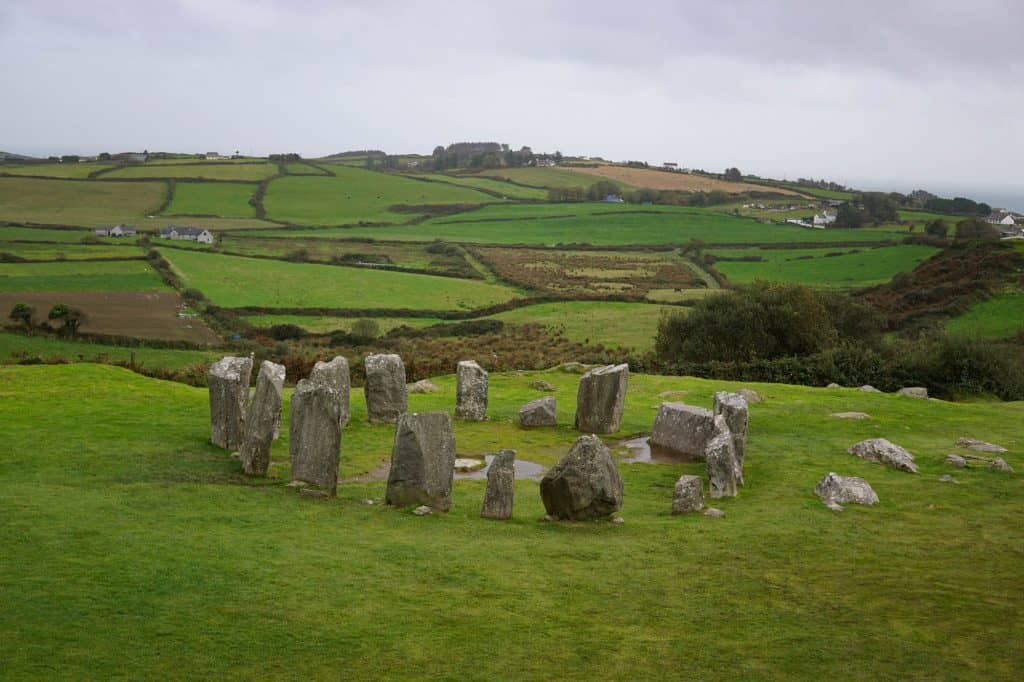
(231, 282)
(302, 169)
(507, 189)
(319, 324)
(228, 200)
(816, 192)
(13, 346)
(611, 323)
(55, 170)
(44, 251)
(212, 171)
(403, 254)
(927, 217)
(866, 267)
(546, 177)
(134, 548)
(70, 202)
(35, 234)
(358, 195)
(79, 276)
(997, 318)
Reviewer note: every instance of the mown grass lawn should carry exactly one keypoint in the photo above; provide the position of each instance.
(36, 234)
(15, 347)
(134, 275)
(997, 318)
(225, 199)
(211, 171)
(72, 202)
(55, 170)
(70, 251)
(232, 282)
(133, 548)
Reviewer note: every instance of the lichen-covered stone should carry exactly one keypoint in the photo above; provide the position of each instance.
(470, 391)
(734, 408)
(501, 486)
(689, 495)
(601, 398)
(385, 389)
(683, 429)
(336, 375)
(422, 461)
(999, 464)
(978, 445)
(722, 466)
(262, 419)
(424, 386)
(914, 392)
(539, 412)
(868, 388)
(584, 485)
(957, 461)
(838, 490)
(881, 451)
(542, 385)
(228, 380)
(314, 435)
(750, 395)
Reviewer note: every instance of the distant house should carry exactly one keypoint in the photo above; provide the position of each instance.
(1011, 233)
(188, 234)
(613, 199)
(413, 163)
(1001, 218)
(824, 218)
(544, 163)
(670, 165)
(803, 223)
(116, 231)
(211, 156)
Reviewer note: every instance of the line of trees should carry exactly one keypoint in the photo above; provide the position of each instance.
(68, 317)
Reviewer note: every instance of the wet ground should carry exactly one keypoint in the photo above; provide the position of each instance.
(644, 452)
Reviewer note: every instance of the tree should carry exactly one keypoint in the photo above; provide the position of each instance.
(733, 174)
(365, 328)
(71, 318)
(601, 189)
(22, 312)
(937, 228)
(973, 228)
(849, 215)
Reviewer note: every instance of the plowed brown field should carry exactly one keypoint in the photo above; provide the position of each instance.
(685, 182)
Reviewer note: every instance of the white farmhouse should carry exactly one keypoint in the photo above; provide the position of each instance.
(189, 234)
(824, 218)
(1001, 218)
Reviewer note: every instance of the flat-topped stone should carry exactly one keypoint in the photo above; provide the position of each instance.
(385, 389)
(422, 461)
(601, 399)
(850, 415)
(978, 445)
(683, 429)
(228, 381)
(914, 392)
(336, 375)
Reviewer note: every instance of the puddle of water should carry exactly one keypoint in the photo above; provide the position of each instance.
(525, 469)
(644, 452)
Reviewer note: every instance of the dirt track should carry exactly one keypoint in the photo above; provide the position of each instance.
(655, 179)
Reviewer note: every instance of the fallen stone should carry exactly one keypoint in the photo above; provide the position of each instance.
(734, 408)
(422, 510)
(867, 388)
(999, 464)
(689, 495)
(539, 412)
(946, 478)
(296, 483)
(228, 380)
(501, 486)
(978, 445)
(957, 461)
(466, 464)
(470, 391)
(714, 513)
(914, 392)
(541, 385)
(584, 485)
(683, 429)
(881, 451)
(424, 386)
(833, 385)
(836, 489)
(262, 419)
(750, 395)
(336, 375)
(314, 435)
(850, 415)
(422, 461)
(385, 390)
(722, 466)
(601, 398)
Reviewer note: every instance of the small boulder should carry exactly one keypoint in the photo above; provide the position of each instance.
(470, 391)
(839, 490)
(584, 485)
(918, 392)
(850, 415)
(946, 478)
(336, 375)
(385, 390)
(422, 510)
(539, 412)
(422, 461)
(683, 429)
(689, 495)
(978, 445)
(501, 486)
(833, 385)
(750, 395)
(999, 464)
(723, 468)
(714, 513)
(868, 388)
(601, 399)
(423, 386)
(884, 452)
(541, 385)
(957, 461)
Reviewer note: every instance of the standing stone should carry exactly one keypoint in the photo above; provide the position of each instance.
(835, 490)
(501, 486)
(422, 461)
(335, 374)
(229, 399)
(881, 451)
(689, 495)
(720, 454)
(471, 391)
(539, 412)
(733, 407)
(683, 429)
(584, 485)
(386, 396)
(315, 435)
(601, 398)
(262, 419)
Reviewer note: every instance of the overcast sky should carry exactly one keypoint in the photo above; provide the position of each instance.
(898, 94)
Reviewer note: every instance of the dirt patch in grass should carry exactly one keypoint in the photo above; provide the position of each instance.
(143, 314)
(685, 182)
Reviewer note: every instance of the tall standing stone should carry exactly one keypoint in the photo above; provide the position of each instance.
(734, 408)
(601, 398)
(422, 461)
(386, 396)
(471, 391)
(720, 454)
(315, 435)
(584, 485)
(262, 419)
(228, 379)
(683, 429)
(501, 486)
(335, 374)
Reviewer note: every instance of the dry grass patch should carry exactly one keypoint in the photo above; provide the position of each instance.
(684, 182)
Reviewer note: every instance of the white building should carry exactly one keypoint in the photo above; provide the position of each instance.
(116, 231)
(824, 218)
(189, 234)
(544, 163)
(1001, 218)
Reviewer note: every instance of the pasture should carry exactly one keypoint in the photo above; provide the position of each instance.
(17, 347)
(544, 177)
(613, 324)
(999, 317)
(55, 170)
(72, 202)
(79, 276)
(506, 190)
(223, 199)
(41, 251)
(35, 234)
(232, 282)
(252, 172)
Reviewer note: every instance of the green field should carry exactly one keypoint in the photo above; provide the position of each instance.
(71, 202)
(133, 546)
(210, 171)
(506, 189)
(79, 276)
(816, 191)
(34, 234)
(44, 251)
(610, 323)
(356, 195)
(927, 217)
(546, 177)
(997, 318)
(16, 346)
(225, 199)
(55, 170)
(302, 169)
(319, 324)
(864, 268)
(232, 282)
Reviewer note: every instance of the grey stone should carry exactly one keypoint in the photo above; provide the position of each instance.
(689, 495)
(833, 385)
(262, 419)
(601, 398)
(714, 513)
(734, 408)
(424, 386)
(542, 385)
(465, 465)
(572, 367)
(868, 388)
(228, 380)
(883, 452)
(957, 461)
(836, 489)
(722, 466)
(946, 478)
(584, 485)
(422, 510)
(914, 392)
(850, 415)
(999, 464)
(683, 429)
(539, 412)
(618, 520)
(385, 390)
(501, 486)
(750, 395)
(314, 493)
(335, 374)
(978, 445)
(422, 461)
(834, 506)
(470, 391)
(314, 435)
